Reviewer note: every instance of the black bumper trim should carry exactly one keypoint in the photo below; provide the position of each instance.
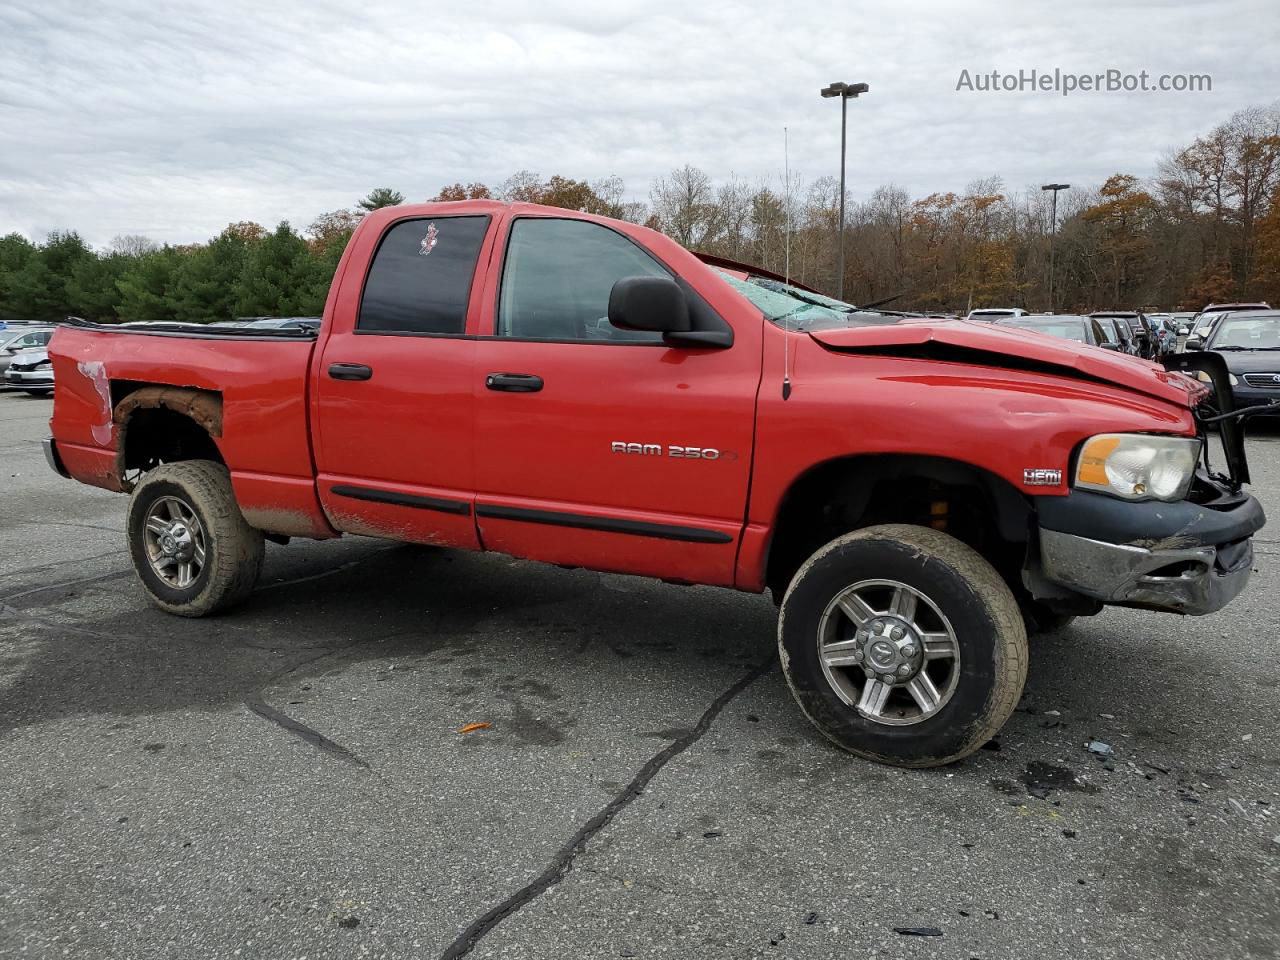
(53, 458)
(1149, 523)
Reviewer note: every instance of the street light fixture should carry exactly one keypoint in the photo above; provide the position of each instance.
(846, 92)
(1053, 231)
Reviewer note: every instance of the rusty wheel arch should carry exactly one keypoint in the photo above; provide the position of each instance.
(202, 407)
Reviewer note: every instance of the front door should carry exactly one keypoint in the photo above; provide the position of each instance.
(394, 398)
(600, 447)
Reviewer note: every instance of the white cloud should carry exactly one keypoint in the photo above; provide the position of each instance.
(173, 120)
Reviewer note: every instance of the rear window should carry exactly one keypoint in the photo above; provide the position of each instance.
(420, 278)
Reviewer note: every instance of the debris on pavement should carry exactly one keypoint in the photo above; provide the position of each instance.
(470, 727)
(1098, 748)
(918, 931)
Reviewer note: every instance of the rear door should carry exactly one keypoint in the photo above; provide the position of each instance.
(393, 389)
(601, 447)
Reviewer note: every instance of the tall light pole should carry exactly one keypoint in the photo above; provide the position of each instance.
(846, 92)
(1053, 231)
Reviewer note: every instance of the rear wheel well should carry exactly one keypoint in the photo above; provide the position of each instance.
(158, 424)
(971, 504)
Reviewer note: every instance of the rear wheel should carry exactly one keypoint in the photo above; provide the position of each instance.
(903, 645)
(190, 545)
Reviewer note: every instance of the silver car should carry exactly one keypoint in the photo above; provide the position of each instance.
(30, 370)
(13, 340)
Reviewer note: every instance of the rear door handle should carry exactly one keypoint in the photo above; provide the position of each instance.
(513, 382)
(350, 371)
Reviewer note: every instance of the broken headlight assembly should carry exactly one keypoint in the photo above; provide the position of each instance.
(1137, 466)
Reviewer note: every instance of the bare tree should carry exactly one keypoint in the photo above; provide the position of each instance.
(132, 244)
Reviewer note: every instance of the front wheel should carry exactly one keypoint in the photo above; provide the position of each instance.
(903, 645)
(190, 545)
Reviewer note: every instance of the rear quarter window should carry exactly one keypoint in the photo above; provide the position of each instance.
(420, 277)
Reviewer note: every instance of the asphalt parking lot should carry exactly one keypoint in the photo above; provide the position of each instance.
(289, 780)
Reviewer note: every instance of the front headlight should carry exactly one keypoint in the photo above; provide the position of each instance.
(1205, 378)
(1136, 466)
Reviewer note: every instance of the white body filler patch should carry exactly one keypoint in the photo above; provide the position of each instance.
(96, 372)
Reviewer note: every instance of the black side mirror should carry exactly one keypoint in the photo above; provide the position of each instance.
(1194, 343)
(649, 303)
(1108, 345)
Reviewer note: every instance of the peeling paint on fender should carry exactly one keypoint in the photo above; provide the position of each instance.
(96, 372)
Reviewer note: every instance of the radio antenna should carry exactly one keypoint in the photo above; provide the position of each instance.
(786, 199)
(786, 232)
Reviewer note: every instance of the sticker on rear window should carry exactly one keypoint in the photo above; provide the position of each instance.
(429, 241)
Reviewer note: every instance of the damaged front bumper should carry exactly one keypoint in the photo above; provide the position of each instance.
(1184, 557)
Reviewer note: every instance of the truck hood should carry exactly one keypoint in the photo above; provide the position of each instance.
(986, 345)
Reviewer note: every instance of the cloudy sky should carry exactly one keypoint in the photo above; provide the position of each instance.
(138, 116)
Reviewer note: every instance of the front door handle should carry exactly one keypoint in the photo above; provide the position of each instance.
(350, 371)
(513, 382)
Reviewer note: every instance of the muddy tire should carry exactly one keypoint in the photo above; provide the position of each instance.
(190, 545)
(921, 610)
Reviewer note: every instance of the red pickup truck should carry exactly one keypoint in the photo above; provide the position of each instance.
(917, 493)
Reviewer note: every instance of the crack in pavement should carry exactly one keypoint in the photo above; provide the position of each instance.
(66, 583)
(309, 734)
(562, 863)
(258, 705)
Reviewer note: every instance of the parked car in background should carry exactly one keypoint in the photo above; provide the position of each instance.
(272, 323)
(1144, 341)
(1118, 331)
(1067, 326)
(31, 371)
(1249, 341)
(1165, 329)
(15, 339)
(990, 314)
(1208, 318)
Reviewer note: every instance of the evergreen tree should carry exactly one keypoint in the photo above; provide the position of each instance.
(92, 290)
(381, 197)
(144, 286)
(274, 279)
(204, 283)
(15, 252)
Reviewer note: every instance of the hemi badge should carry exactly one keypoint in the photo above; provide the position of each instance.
(1041, 477)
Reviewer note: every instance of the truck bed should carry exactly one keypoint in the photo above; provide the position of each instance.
(252, 381)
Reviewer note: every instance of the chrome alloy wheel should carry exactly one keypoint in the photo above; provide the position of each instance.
(887, 651)
(175, 542)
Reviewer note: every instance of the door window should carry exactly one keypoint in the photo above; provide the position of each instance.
(420, 278)
(557, 278)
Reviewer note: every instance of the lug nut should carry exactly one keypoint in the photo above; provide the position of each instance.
(904, 669)
(888, 678)
(897, 633)
(857, 654)
(869, 672)
(908, 651)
